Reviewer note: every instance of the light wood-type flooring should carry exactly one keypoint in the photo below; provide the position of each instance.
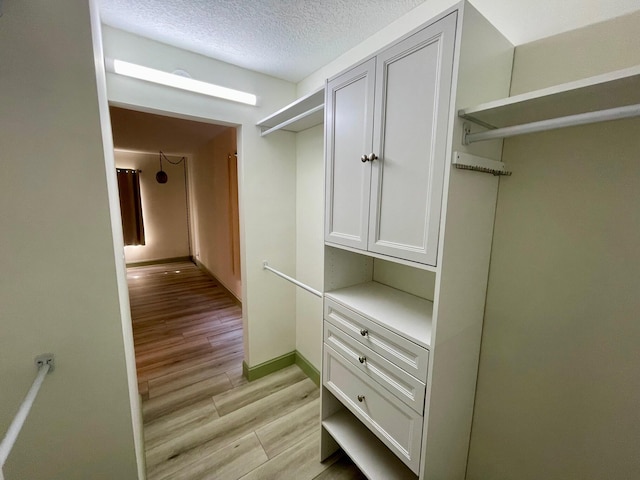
(202, 419)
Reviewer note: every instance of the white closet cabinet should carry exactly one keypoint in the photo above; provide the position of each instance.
(349, 133)
(407, 246)
(386, 130)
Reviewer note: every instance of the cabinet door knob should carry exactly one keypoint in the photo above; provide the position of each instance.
(362, 359)
(364, 332)
(368, 158)
(361, 398)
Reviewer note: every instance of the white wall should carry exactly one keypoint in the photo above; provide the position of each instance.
(558, 389)
(266, 174)
(58, 289)
(164, 208)
(216, 243)
(309, 241)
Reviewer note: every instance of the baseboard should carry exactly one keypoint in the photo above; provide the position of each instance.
(159, 261)
(202, 267)
(306, 366)
(270, 366)
(283, 361)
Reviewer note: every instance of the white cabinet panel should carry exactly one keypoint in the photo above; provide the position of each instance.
(406, 387)
(394, 108)
(410, 131)
(396, 348)
(397, 425)
(349, 136)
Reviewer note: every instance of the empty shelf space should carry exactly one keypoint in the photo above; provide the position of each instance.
(400, 312)
(306, 112)
(601, 92)
(370, 455)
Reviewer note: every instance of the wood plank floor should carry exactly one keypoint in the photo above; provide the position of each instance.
(202, 419)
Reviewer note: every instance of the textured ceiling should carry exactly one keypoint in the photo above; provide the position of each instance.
(287, 39)
(290, 39)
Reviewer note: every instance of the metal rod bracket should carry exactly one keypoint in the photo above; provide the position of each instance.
(46, 359)
(466, 161)
(466, 130)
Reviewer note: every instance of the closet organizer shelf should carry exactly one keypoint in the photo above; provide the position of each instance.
(600, 92)
(306, 112)
(401, 261)
(378, 215)
(411, 315)
(366, 451)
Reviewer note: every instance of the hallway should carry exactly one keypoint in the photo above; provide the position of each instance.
(201, 417)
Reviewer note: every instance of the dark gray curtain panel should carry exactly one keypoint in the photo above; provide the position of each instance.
(131, 206)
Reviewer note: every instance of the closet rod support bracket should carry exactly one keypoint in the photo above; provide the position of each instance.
(466, 130)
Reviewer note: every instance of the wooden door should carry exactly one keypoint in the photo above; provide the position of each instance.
(349, 127)
(410, 135)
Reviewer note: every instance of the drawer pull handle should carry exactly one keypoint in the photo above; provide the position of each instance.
(364, 332)
(361, 398)
(362, 359)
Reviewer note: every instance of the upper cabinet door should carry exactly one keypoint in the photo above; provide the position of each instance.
(349, 127)
(410, 137)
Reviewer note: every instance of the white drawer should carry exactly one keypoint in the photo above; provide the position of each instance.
(394, 423)
(403, 353)
(406, 387)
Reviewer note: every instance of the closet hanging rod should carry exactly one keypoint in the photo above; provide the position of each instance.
(45, 364)
(266, 266)
(617, 113)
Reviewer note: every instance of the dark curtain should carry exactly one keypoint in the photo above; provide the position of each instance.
(130, 206)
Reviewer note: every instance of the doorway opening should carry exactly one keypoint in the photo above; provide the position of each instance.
(193, 215)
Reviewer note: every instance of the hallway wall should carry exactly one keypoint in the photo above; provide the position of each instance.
(213, 186)
(58, 289)
(164, 208)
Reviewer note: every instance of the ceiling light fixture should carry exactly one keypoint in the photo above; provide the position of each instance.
(178, 81)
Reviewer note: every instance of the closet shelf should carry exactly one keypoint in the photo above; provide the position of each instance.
(306, 112)
(367, 452)
(601, 92)
(412, 316)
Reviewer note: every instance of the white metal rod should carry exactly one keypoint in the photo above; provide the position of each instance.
(561, 122)
(21, 416)
(266, 266)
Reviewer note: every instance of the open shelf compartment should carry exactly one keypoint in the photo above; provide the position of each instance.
(371, 456)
